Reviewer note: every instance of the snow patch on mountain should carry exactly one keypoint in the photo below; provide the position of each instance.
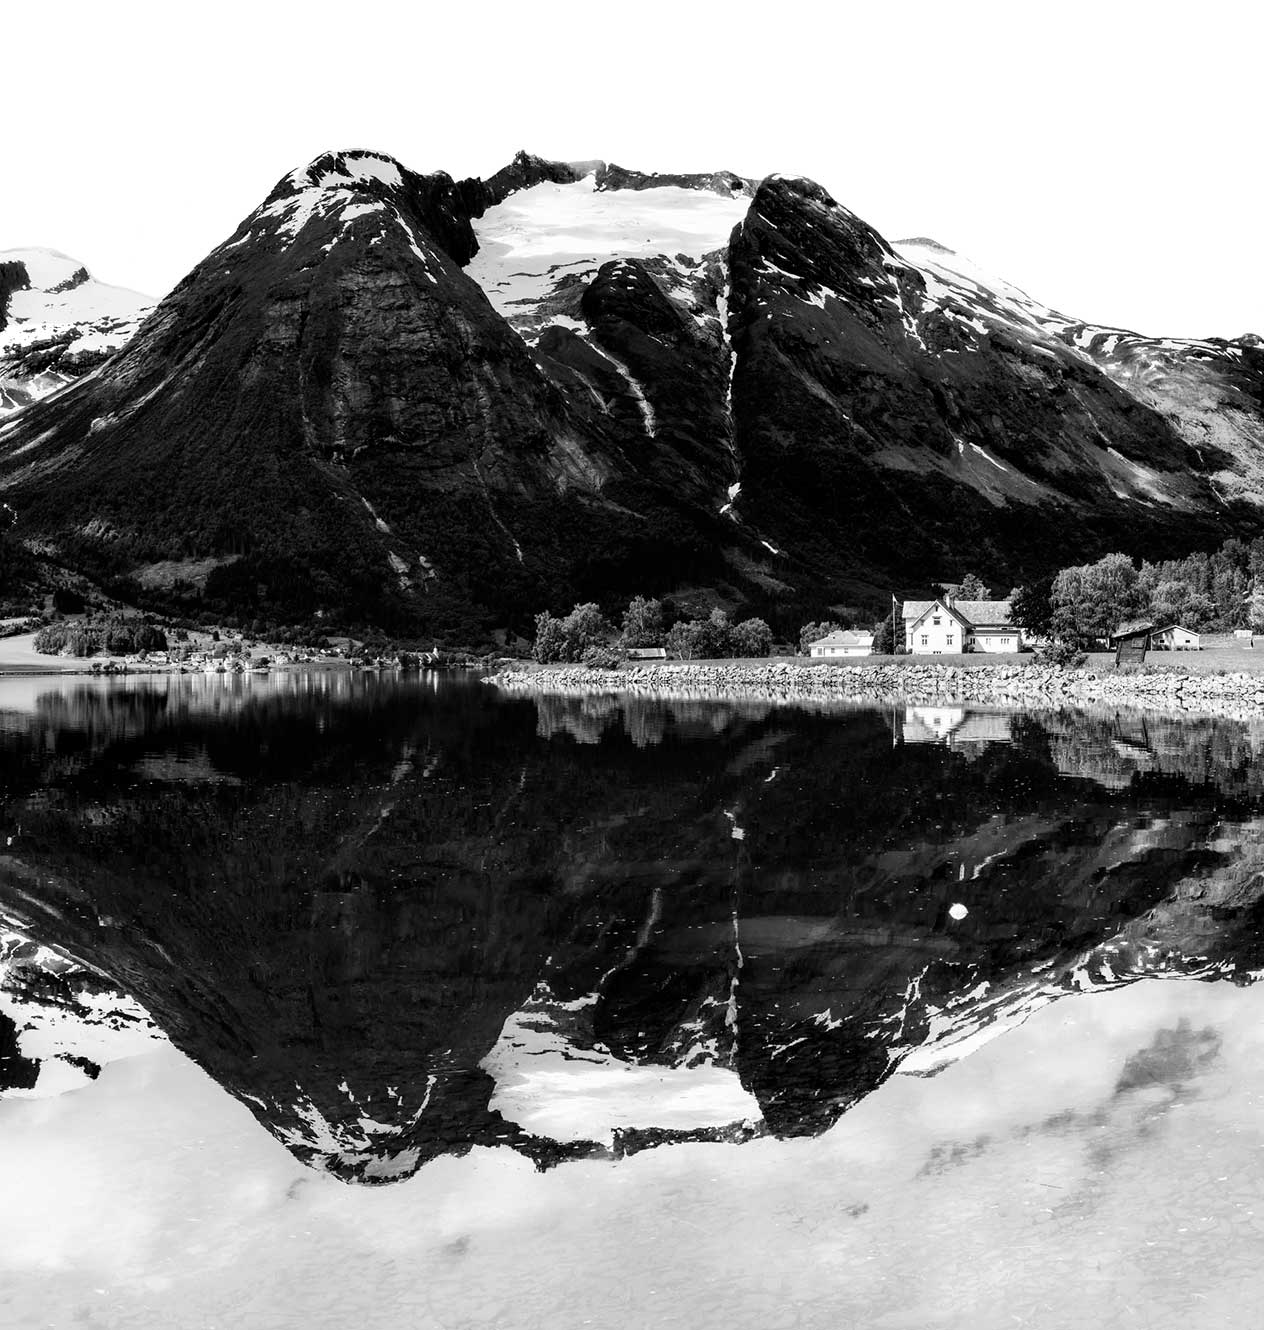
(554, 1081)
(65, 323)
(541, 237)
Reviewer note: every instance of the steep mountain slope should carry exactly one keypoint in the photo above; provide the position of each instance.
(439, 406)
(330, 406)
(57, 322)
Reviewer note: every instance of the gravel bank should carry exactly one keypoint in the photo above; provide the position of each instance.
(1168, 688)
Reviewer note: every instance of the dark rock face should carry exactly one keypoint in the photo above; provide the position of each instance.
(715, 182)
(881, 434)
(384, 447)
(524, 171)
(12, 278)
(329, 404)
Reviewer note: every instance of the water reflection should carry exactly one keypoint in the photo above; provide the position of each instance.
(397, 918)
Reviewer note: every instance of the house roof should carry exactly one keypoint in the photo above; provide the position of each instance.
(1133, 628)
(845, 638)
(973, 613)
(984, 613)
(1167, 628)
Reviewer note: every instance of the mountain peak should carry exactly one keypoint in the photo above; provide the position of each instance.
(354, 169)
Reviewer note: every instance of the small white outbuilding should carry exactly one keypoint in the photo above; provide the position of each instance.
(847, 643)
(1174, 638)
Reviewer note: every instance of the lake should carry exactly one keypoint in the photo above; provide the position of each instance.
(342, 998)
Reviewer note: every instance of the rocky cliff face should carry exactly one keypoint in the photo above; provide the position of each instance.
(438, 406)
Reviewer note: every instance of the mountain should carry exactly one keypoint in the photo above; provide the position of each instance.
(57, 322)
(439, 406)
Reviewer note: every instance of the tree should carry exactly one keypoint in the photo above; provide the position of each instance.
(1255, 607)
(972, 588)
(1178, 602)
(1090, 601)
(567, 639)
(550, 640)
(883, 637)
(682, 640)
(752, 637)
(1031, 608)
(642, 623)
(813, 632)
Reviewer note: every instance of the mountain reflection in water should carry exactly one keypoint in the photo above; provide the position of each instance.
(398, 918)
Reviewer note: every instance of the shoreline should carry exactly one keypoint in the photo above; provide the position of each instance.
(1236, 694)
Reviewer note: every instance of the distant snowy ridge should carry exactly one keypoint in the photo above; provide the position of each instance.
(59, 325)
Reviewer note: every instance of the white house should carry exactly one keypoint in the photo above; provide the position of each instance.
(846, 643)
(949, 627)
(1174, 638)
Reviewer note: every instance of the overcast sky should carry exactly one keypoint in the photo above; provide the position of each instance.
(1103, 156)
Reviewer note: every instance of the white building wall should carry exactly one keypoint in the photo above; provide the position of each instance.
(938, 633)
(997, 644)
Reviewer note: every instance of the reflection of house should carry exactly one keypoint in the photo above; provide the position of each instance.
(955, 726)
(950, 626)
(1174, 638)
(842, 644)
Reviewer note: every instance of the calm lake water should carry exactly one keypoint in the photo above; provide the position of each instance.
(640, 1012)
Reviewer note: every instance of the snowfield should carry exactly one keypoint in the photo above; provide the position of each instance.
(538, 236)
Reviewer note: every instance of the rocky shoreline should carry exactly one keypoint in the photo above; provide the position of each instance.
(1166, 688)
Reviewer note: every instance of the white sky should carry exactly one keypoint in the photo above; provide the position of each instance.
(1103, 156)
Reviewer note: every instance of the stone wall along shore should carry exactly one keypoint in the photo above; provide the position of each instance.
(1168, 688)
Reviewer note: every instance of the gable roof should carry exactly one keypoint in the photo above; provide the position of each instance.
(845, 637)
(1167, 628)
(1133, 628)
(984, 613)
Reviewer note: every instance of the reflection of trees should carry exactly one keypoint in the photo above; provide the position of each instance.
(392, 870)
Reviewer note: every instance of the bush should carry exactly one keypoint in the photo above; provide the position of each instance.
(1064, 655)
(602, 657)
(752, 637)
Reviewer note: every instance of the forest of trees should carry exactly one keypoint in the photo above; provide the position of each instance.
(1206, 592)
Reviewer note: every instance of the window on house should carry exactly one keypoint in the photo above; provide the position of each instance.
(935, 620)
(949, 639)
(925, 640)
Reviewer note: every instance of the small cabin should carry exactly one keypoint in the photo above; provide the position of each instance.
(1175, 638)
(1131, 641)
(646, 653)
(846, 643)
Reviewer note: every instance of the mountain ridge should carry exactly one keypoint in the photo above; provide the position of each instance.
(433, 405)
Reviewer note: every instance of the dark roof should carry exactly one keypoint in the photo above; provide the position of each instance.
(975, 613)
(1133, 628)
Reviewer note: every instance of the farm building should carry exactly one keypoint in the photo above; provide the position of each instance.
(949, 626)
(848, 643)
(1175, 638)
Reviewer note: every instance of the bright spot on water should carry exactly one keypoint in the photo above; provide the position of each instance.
(958, 911)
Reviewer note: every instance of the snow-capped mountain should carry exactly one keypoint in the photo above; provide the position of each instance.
(57, 322)
(440, 405)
